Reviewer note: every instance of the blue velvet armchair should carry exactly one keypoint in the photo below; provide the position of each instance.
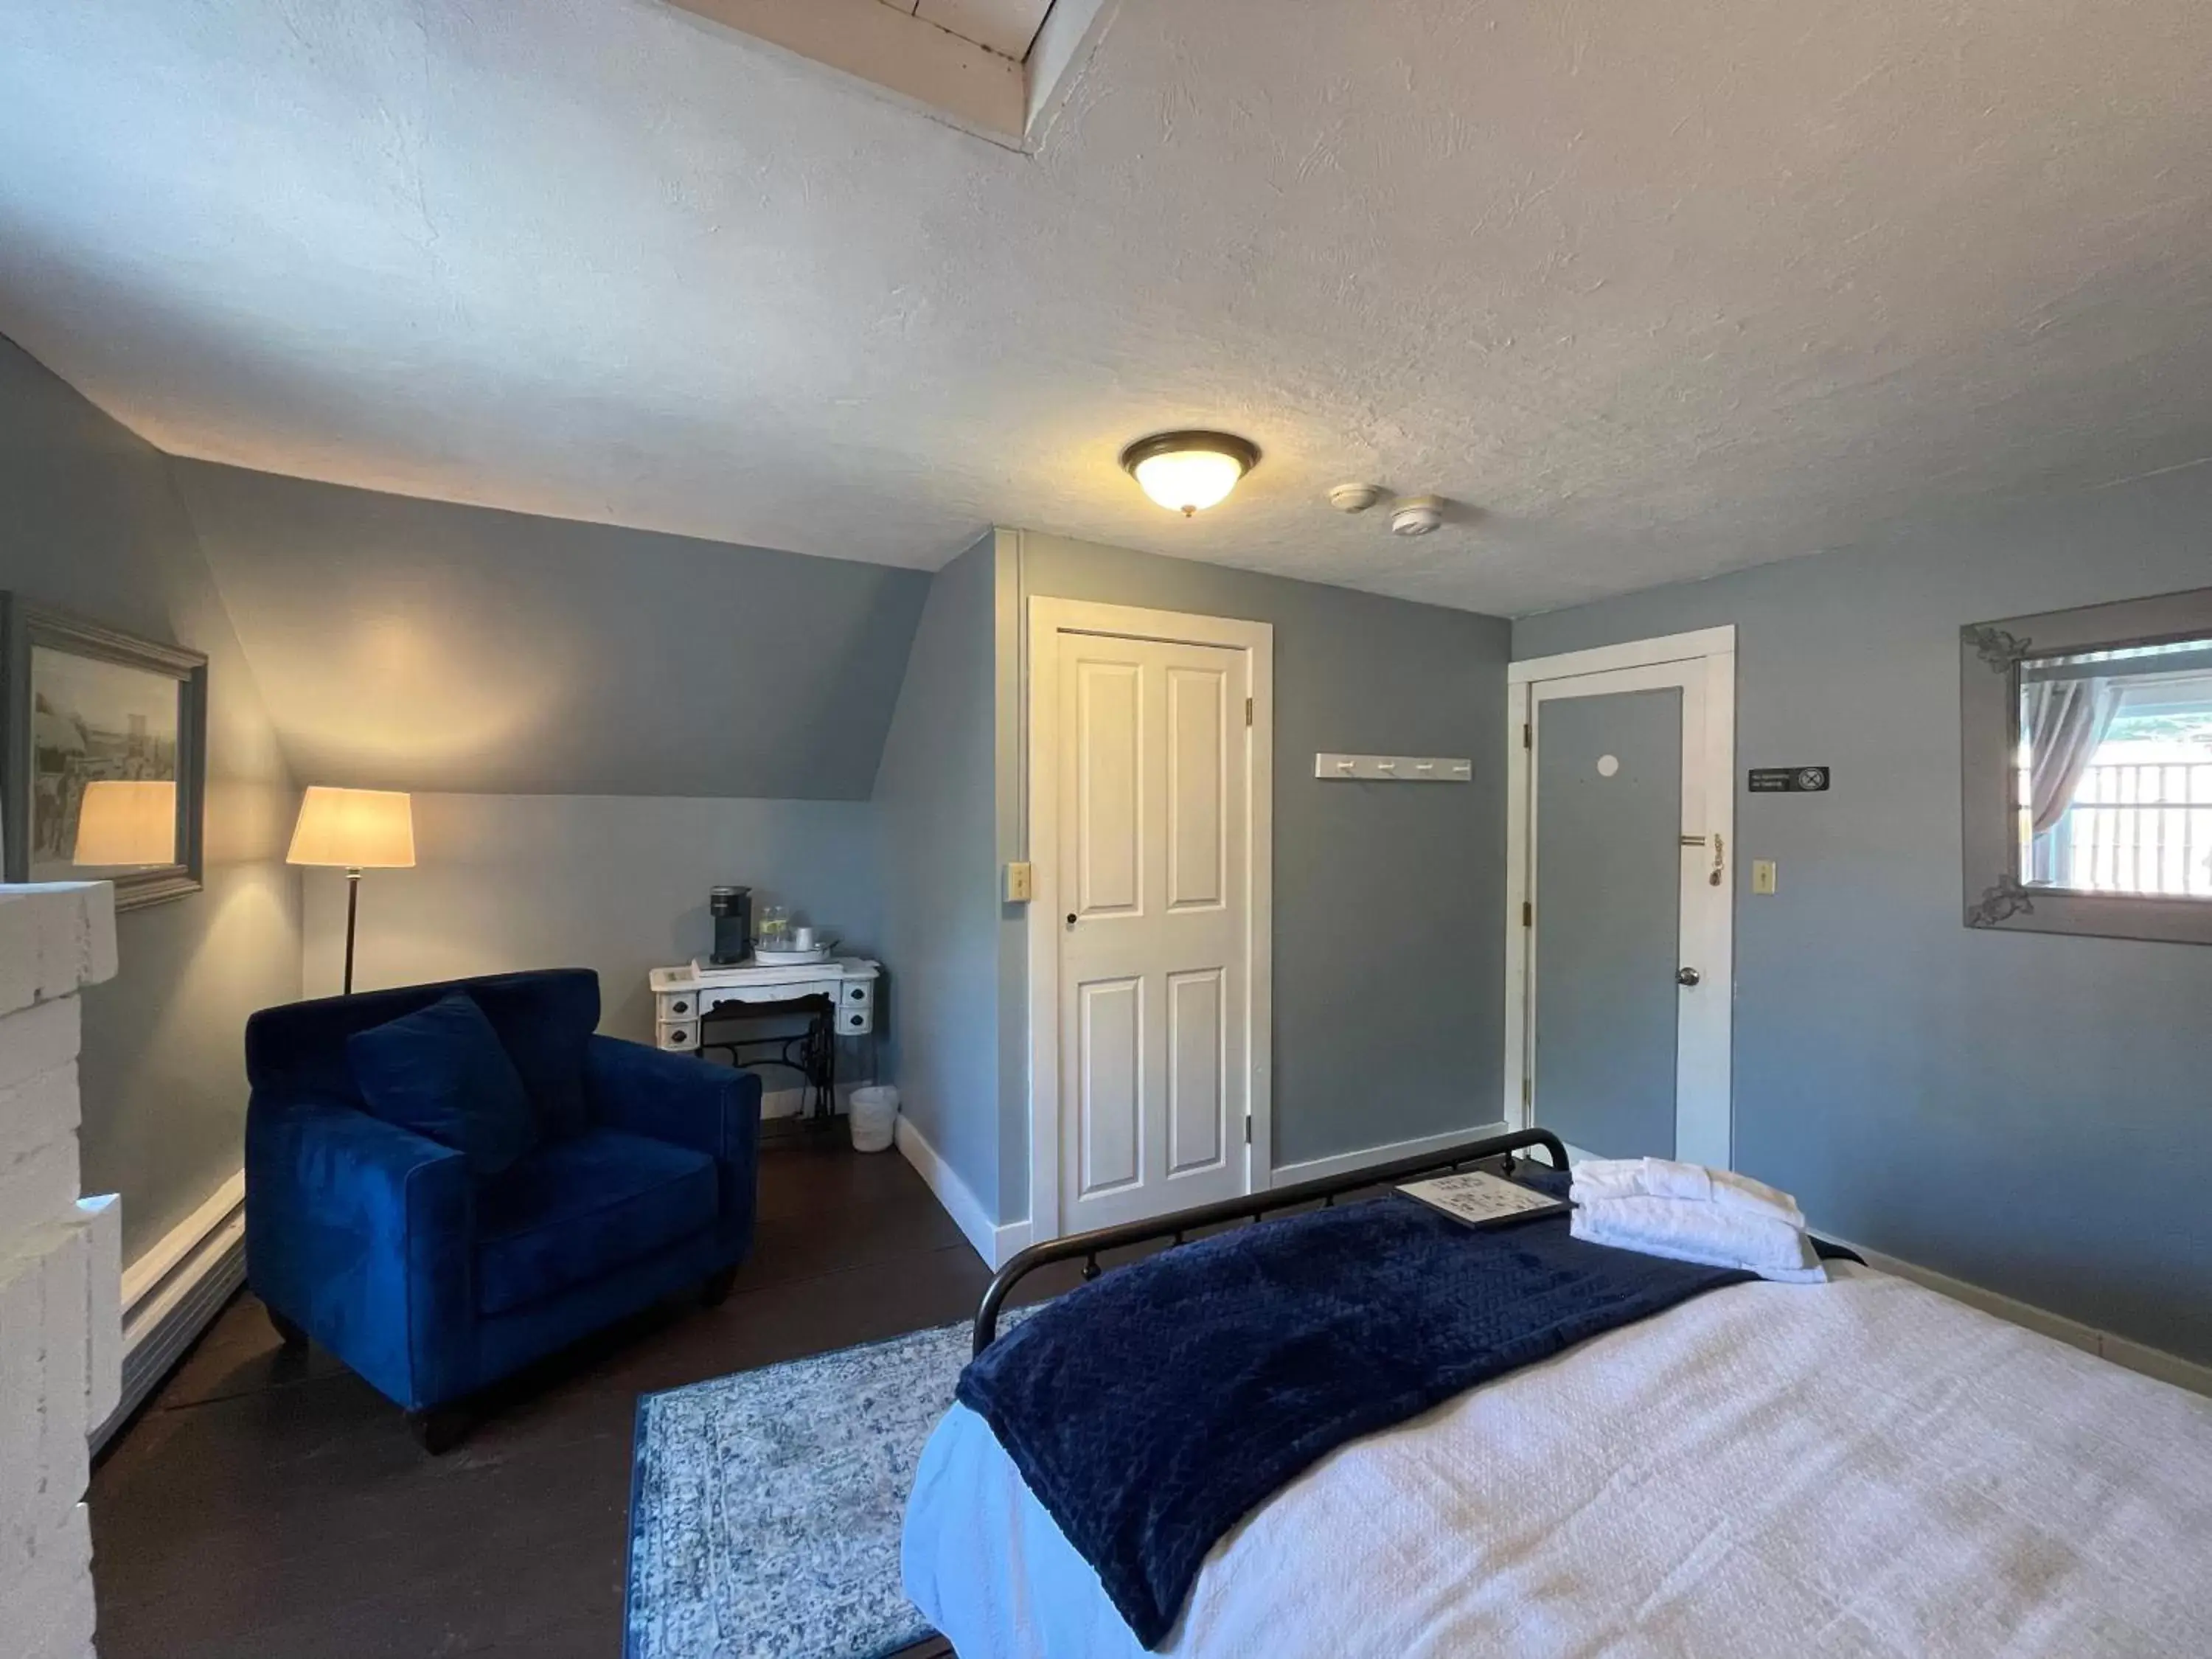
(431, 1278)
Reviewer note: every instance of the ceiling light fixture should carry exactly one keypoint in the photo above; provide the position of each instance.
(1184, 472)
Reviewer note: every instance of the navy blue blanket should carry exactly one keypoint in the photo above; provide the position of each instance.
(1151, 1409)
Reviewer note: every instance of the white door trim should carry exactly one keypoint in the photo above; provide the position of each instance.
(1629, 654)
(1256, 640)
(1704, 1068)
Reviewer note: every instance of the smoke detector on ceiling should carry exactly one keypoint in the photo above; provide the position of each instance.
(1417, 515)
(1354, 497)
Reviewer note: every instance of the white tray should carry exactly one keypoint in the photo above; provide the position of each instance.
(791, 958)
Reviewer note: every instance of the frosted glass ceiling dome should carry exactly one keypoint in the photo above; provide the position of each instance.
(1188, 471)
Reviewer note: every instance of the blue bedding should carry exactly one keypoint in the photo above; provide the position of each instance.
(1151, 1409)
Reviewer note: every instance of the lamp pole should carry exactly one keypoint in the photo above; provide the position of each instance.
(353, 907)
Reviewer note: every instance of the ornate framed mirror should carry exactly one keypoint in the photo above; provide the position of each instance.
(2086, 769)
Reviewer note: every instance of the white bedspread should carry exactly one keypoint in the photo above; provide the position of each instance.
(1861, 1468)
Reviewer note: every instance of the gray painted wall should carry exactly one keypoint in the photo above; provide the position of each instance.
(1388, 898)
(90, 521)
(407, 644)
(613, 883)
(936, 795)
(2032, 1112)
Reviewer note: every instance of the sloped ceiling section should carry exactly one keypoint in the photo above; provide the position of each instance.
(412, 645)
(998, 69)
(1005, 26)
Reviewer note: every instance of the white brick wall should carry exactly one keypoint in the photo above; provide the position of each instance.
(60, 1272)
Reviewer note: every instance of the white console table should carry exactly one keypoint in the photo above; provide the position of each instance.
(836, 997)
(682, 996)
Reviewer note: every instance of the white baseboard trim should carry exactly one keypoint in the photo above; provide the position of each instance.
(1338, 1164)
(174, 1291)
(2120, 1350)
(1013, 1237)
(995, 1242)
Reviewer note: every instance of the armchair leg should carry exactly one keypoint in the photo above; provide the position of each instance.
(716, 1291)
(287, 1333)
(441, 1429)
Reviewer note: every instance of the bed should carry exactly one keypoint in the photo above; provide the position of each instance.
(1865, 1467)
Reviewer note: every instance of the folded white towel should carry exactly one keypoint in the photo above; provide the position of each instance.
(1687, 1231)
(1664, 1177)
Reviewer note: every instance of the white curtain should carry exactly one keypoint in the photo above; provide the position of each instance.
(2065, 722)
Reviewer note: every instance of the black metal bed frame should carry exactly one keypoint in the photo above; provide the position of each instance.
(1256, 1207)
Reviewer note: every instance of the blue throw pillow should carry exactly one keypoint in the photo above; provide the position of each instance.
(441, 1072)
(544, 1021)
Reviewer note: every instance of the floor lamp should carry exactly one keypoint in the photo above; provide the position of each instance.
(354, 829)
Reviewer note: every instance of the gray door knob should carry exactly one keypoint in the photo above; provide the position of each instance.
(1687, 976)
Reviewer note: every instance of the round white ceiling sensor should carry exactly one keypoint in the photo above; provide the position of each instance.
(1417, 515)
(1607, 765)
(1354, 497)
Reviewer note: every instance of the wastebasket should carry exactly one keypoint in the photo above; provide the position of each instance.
(873, 1112)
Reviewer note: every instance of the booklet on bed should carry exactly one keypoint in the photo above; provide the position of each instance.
(1478, 1198)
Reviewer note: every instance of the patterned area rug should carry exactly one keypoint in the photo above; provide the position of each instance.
(765, 1507)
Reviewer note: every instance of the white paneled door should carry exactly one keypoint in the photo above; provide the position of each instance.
(1152, 896)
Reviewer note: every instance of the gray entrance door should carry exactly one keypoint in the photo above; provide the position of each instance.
(1608, 889)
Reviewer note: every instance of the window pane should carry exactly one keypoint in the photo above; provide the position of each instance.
(2114, 770)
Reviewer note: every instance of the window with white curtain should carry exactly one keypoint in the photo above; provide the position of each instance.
(2114, 770)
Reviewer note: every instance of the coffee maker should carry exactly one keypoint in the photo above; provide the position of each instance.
(733, 910)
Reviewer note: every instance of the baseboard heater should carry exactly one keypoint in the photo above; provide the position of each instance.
(173, 1292)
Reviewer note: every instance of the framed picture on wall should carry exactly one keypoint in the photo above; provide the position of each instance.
(104, 774)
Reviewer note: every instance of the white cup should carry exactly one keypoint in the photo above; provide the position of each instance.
(802, 939)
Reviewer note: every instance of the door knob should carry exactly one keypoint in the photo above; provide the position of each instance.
(1071, 918)
(1687, 976)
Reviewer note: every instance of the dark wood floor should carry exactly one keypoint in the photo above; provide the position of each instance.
(268, 1507)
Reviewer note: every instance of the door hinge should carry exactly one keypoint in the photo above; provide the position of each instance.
(1528, 1091)
(1527, 735)
(1248, 1128)
(1527, 914)
(1248, 711)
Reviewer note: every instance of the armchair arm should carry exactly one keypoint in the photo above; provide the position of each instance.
(686, 1102)
(678, 1098)
(362, 1234)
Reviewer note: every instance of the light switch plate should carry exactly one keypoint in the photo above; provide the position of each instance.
(1762, 875)
(1020, 882)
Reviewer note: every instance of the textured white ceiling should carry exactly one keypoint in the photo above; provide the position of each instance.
(1662, 289)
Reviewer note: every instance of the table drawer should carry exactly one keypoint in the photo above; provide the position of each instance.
(721, 996)
(855, 1020)
(678, 1036)
(676, 1005)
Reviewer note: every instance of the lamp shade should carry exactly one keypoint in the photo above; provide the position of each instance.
(358, 829)
(127, 821)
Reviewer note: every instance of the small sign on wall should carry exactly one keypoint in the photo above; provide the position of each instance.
(1789, 779)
